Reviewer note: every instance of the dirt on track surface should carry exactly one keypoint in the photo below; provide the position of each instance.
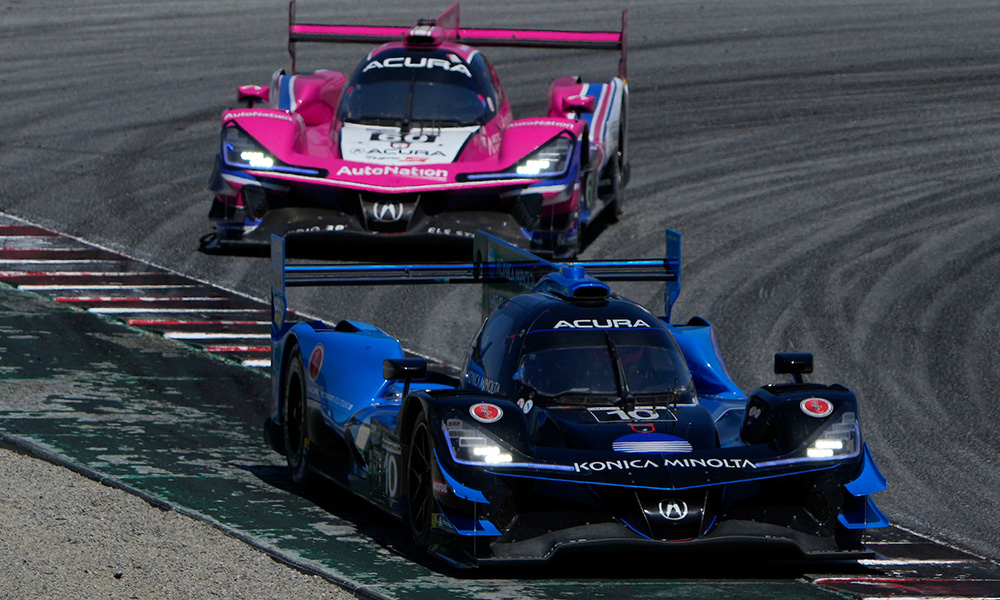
(63, 535)
(832, 169)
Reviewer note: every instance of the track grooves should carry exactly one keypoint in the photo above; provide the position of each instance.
(907, 565)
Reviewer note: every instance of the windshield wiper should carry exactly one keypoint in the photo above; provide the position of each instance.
(627, 399)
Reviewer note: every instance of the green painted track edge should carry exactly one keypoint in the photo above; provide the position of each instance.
(25, 446)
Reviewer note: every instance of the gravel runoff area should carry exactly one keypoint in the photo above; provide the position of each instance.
(63, 535)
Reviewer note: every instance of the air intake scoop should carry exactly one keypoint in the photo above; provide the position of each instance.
(572, 281)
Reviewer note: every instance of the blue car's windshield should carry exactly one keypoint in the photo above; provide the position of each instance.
(581, 364)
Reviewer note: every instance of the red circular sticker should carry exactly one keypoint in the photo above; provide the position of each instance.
(315, 362)
(816, 407)
(485, 413)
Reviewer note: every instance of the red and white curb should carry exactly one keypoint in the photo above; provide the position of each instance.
(70, 272)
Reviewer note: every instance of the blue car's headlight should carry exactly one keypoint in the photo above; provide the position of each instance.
(550, 159)
(839, 439)
(471, 446)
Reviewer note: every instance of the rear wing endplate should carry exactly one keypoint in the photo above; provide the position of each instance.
(503, 270)
(446, 27)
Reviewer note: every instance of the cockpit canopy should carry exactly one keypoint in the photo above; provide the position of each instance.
(603, 366)
(398, 86)
(555, 350)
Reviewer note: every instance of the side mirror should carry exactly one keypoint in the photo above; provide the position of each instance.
(579, 104)
(251, 94)
(794, 363)
(406, 369)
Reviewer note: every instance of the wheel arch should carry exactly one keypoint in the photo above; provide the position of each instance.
(413, 405)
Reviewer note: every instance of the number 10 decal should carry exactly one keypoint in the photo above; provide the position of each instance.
(617, 415)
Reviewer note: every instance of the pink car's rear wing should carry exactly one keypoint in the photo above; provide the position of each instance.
(445, 28)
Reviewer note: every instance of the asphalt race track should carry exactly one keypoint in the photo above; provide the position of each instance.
(831, 168)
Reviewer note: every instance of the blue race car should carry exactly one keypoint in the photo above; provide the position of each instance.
(579, 420)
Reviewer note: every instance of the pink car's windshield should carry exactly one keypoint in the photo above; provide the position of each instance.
(403, 89)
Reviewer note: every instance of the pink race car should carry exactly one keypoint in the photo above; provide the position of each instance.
(420, 141)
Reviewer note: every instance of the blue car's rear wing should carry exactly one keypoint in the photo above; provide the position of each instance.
(504, 271)
(445, 28)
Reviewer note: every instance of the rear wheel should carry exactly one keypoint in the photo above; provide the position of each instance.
(419, 489)
(294, 420)
(613, 187)
(618, 187)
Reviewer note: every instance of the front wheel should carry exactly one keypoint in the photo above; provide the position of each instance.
(419, 489)
(294, 420)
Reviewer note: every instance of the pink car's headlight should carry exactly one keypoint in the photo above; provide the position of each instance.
(550, 159)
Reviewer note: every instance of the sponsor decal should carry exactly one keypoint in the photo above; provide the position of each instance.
(816, 407)
(329, 398)
(481, 382)
(642, 427)
(648, 463)
(440, 487)
(394, 152)
(510, 271)
(616, 465)
(373, 171)
(387, 212)
(318, 229)
(278, 314)
(753, 413)
(525, 405)
(673, 510)
(439, 521)
(537, 122)
(485, 412)
(412, 62)
(281, 116)
(315, 362)
(602, 324)
(450, 231)
(711, 463)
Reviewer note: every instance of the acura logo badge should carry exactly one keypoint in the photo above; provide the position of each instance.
(388, 211)
(673, 510)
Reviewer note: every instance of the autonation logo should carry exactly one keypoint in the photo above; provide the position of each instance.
(376, 171)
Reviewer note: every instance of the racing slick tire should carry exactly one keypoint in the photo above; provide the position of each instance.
(613, 186)
(419, 488)
(618, 188)
(294, 421)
